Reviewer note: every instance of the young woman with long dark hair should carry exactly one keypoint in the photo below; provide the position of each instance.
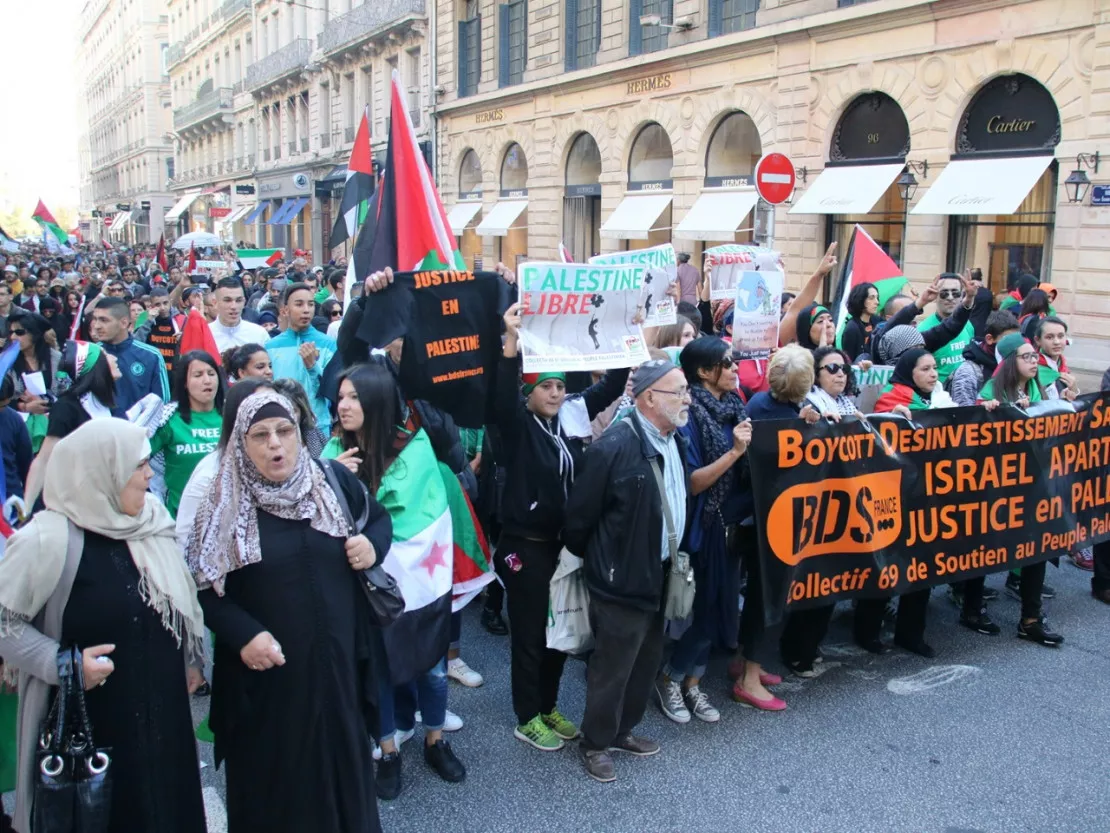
(247, 361)
(192, 430)
(863, 315)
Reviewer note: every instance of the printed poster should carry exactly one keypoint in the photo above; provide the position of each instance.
(731, 261)
(662, 270)
(755, 321)
(579, 316)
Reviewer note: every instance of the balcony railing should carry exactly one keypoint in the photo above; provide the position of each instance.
(232, 7)
(175, 53)
(213, 103)
(290, 58)
(364, 21)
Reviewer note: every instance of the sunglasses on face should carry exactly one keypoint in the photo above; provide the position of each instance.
(950, 294)
(727, 363)
(16, 332)
(834, 368)
(335, 313)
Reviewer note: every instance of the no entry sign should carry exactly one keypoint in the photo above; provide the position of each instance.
(775, 178)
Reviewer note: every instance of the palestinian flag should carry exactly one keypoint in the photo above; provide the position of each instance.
(408, 229)
(160, 254)
(358, 188)
(197, 335)
(473, 568)
(420, 559)
(256, 258)
(44, 218)
(191, 263)
(866, 262)
(894, 395)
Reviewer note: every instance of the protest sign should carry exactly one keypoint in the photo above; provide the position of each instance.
(580, 317)
(729, 263)
(889, 506)
(662, 270)
(871, 383)
(755, 318)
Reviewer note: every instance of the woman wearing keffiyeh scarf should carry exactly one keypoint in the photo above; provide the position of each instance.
(274, 556)
(718, 434)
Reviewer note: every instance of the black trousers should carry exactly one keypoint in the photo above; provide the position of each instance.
(804, 633)
(758, 641)
(909, 626)
(1032, 583)
(536, 670)
(628, 647)
(1101, 579)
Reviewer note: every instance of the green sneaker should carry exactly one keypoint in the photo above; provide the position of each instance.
(536, 733)
(560, 725)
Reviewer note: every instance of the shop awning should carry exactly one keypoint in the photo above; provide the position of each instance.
(256, 213)
(336, 174)
(181, 206)
(635, 217)
(237, 214)
(983, 186)
(462, 214)
(501, 219)
(288, 211)
(119, 221)
(716, 215)
(851, 189)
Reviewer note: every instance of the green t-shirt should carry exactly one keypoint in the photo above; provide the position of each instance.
(951, 355)
(185, 444)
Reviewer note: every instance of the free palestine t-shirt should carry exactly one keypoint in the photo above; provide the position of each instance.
(184, 445)
(951, 355)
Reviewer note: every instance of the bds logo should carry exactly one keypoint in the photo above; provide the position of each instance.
(849, 515)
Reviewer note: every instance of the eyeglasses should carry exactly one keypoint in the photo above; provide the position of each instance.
(681, 393)
(16, 332)
(261, 436)
(834, 368)
(727, 363)
(1025, 357)
(950, 294)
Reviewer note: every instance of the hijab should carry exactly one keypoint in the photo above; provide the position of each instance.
(903, 371)
(84, 478)
(226, 529)
(806, 318)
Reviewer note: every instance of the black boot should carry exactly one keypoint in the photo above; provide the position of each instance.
(389, 776)
(492, 622)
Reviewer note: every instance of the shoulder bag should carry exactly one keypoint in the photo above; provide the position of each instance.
(73, 784)
(386, 602)
(679, 597)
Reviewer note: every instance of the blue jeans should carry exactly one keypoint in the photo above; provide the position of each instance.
(690, 657)
(397, 705)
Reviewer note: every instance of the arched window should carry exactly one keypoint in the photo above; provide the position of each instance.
(582, 199)
(514, 170)
(470, 176)
(651, 158)
(583, 163)
(733, 150)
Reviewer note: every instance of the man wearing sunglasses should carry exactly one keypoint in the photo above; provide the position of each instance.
(954, 291)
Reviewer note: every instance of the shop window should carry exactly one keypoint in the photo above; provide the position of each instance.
(514, 170)
(583, 33)
(651, 38)
(727, 16)
(582, 199)
(651, 159)
(513, 33)
(513, 247)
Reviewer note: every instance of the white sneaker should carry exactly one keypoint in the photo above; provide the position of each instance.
(451, 723)
(377, 752)
(400, 737)
(461, 673)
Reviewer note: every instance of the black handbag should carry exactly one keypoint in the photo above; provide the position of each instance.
(384, 596)
(73, 784)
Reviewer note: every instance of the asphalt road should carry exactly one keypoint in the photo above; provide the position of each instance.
(994, 736)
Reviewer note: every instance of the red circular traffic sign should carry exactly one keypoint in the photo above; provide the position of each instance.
(775, 178)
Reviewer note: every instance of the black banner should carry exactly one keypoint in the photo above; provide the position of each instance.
(889, 506)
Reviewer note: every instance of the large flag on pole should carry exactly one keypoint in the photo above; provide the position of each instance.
(359, 186)
(866, 262)
(44, 218)
(160, 254)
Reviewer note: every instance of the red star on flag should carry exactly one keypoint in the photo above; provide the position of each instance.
(436, 558)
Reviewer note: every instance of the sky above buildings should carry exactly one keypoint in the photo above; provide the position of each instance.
(38, 140)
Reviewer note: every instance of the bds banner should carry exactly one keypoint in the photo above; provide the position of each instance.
(886, 506)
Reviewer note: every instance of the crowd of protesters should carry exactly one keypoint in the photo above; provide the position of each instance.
(190, 453)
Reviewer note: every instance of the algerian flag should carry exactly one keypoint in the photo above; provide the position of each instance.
(44, 218)
(473, 568)
(866, 262)
(420, 559)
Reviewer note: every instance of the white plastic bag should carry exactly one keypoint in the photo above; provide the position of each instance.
(568, 608)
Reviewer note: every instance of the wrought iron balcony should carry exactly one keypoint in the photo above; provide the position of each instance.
(289, 59)
(363, 22)
(175, 53)
(232, 7)
(213, 104)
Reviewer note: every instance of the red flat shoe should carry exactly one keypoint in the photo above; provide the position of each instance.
(744, 699)
(769, 679)
(736, 671)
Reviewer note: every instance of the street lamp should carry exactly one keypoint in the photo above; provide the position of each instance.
(1078, 183)
(907, 182)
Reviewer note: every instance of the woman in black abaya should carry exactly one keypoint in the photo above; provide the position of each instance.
(292, 684)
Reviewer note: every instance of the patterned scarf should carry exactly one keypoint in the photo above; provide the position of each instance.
(239, 491)
(711, 417)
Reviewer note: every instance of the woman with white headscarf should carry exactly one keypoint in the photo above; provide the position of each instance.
(293, 682)
(100, 570)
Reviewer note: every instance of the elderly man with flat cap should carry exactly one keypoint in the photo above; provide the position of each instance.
(625, 517)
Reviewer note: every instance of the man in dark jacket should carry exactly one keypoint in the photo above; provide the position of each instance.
(625, 517)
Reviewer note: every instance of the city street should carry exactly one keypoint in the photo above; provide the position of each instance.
(994, 736)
